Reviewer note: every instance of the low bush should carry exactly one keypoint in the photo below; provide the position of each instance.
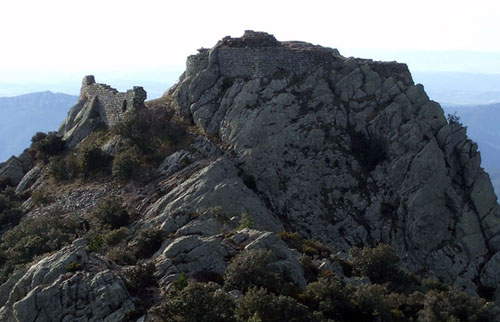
(10, 212)
(455, 305)
(115, 236)
(46, 145)
(330, 296)
(110, 214)
(260, 305)
(245, 222)
(307, 246)
(126, 166)
(379, 264)
(121, 255)
(197, 302)
(40, 197)
(148, 242)
(95, 242)
(251, 268)
(58, 168)
(74, 267)
(140, 277)
(153, 132)
(92, 160)
(37, 236)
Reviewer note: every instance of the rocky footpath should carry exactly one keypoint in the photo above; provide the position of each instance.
(294, 137)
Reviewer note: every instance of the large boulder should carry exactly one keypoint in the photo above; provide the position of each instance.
(48, 292)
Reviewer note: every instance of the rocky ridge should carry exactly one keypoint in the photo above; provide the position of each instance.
(295, 137)
(350, 152)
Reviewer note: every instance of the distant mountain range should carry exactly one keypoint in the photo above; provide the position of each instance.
(22, 116)
(483, 126)
(451, 88)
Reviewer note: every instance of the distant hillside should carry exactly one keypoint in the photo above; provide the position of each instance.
(22, 116)
(482, 122)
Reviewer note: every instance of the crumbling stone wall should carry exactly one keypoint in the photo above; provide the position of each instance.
(258, 54)
(112, 103)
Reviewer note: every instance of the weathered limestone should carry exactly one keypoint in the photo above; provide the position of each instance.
(47, 292)
(12, 169)
(348, 151)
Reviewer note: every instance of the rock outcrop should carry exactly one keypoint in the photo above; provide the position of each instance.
(47, 291)
(347, 151)
(99, 104)
(16, 167)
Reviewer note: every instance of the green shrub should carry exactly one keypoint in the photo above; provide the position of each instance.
(260, 305)
(180, 283)
(197, 302)
(153, 131)
(40, 197)
(46, 145)
(121, 256)
(378, 264)
(74, 267)
(140, 277)
(37, 236)
(126, 166)
(58, 168)
(330, 296)
(96, 243)
(134, 126)
(10, 212)
(93, 160)
(371, 303)
(110, 213)
(307, 246)
(455, 305)
(251, 268)
(245, 222)
(149, 241)
(38, 137)
(116, 236)
(311, 272)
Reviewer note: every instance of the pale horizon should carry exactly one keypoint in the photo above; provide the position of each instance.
(58, 40)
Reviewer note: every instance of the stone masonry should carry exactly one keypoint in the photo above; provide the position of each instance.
(112, 103)
(98, 104)
(258, 54)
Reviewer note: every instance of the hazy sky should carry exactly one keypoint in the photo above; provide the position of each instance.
(42, 39)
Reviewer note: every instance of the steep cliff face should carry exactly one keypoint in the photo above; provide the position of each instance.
(348, 151)
(287, 136)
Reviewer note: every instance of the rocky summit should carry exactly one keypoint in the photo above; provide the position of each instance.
(284, 147)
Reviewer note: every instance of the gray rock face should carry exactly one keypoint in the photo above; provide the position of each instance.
(344, 150)
(13, 169)
(28, 179)
(46, 292)
(99, 104)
